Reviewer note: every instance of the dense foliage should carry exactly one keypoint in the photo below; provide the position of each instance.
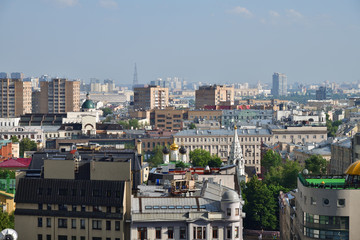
(157, 157)
(107, 111)
(316, 164)
(261, 197)
(332, 127)
(192, 126)
(6, 220)
(4, 173)
(131, 124)
(202, 158)
(260, 206)
(27, 145)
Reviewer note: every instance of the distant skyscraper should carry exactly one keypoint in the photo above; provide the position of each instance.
(17, 75)
(279, 87)
(135, 80)
(4, 75)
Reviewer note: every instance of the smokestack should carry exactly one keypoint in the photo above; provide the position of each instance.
(138, 146)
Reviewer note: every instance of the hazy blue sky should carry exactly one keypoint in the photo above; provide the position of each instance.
(200, 40)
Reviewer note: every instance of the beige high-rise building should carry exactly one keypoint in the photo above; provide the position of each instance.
(151, 97)
(214, 96)
(58, 96)
(15, 97)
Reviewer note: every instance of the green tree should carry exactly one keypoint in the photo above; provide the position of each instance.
(180, 164)
(192, 126)
(214, 161)
(284, 175)
(107, 111)
(134, 123)
(4, 173)
(6, 220)
(157, 156)
(316, 164)
(124, 124)
(270, 159)
(199, 157)
(27, 145)
(14, 139)
(260, 206)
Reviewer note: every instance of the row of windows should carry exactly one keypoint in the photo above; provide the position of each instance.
(198, 233)
(324, 234)
(75, 192)
(74, 208)
(341, 223)
(324, 201)
(96, 224)
(300, 136)
(209, 139)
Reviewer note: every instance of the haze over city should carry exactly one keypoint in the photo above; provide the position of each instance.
(209, 41)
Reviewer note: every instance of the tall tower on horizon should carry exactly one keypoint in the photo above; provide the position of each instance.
(135, 80)
(279, 87)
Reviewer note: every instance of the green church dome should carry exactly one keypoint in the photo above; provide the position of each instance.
(88, 104)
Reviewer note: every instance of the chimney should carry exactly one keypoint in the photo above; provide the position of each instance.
(138, 146)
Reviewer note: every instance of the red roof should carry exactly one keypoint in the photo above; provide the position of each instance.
(16, 163)
(25, 161)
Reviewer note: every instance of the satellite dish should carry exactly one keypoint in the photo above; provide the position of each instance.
(8, 234)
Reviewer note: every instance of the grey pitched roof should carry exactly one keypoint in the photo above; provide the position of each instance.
(37, 190)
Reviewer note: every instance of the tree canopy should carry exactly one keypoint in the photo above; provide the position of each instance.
(107, 111)
(157, 157)
(4, 173)
(260, 206)
(270, 159)
(14, 139)
(332, 126)
(6, 220)
(134, 123)
(316, 164)
(202, 158)
(27, 145)
(192, 126)
(284, 175)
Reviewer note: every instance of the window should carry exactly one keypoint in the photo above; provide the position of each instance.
(215, 232)
(313, 201)
(96, 224)
(40, 221)
(73, 237)
(158, 232)
(82, 238)
(48, 237)
(237, 211)
(108, 225)
(228, 212)
(96, 208)
(74, 208)
(40, 206)
(48, 206)
(62, 223)
(82, 223)
(73, 223)
(108, 209)
(117, 225)
(170, 232)
(39, 237)
(228, 232)
(142, 233)
(62, 207)
(48, 222)
(341, 203)
(182, 232)
(236, 232)
(199, 232)
(83, 208)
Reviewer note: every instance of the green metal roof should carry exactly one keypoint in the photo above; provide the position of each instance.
(88, 104)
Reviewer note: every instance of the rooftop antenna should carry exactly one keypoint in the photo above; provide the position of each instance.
(135, 80)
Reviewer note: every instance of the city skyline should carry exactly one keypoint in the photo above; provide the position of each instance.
(207, 41)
